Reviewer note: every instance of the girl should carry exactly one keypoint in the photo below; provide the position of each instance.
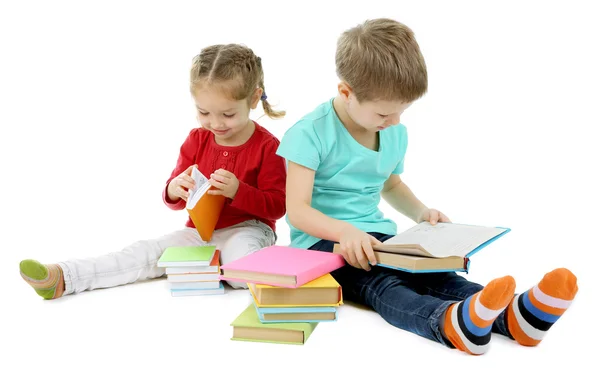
(238, 156)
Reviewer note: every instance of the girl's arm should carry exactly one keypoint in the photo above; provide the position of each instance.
(268, 200)
(187, 157)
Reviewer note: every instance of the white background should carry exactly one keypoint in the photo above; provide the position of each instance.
(94, 105)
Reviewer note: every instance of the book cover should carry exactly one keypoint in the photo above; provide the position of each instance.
(177, 256)
(296, 314)
(281, 266)
(204, 209)
(307, 295)
(247, 327)
(213, 268)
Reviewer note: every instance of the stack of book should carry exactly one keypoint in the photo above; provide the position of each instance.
(315, 301)
(192, 270)
(292, 291)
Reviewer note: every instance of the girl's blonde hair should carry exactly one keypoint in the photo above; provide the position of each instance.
(236, 69)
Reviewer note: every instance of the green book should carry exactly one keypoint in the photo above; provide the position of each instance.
(187, 256)
(247, 327)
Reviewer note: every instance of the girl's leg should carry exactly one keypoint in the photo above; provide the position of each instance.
(240, 240)
(133, 263)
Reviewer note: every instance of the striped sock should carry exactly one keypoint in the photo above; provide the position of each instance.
(532, 313)
(46, 280)
(468, 324)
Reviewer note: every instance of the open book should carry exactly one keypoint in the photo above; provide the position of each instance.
(204, 209)
(433, 248)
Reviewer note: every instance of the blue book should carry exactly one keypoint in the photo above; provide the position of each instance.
(434, 248)
(296, 314)
(220, 290)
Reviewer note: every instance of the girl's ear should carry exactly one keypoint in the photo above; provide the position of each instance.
(345, 91)
(255, 98)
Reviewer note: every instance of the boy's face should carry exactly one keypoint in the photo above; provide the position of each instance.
(375, 115)
(221, 115)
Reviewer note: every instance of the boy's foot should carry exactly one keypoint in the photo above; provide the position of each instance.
(46, 280)
(533, 312)
(468, 324)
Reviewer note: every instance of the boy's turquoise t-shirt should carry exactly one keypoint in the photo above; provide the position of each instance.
(348, 176)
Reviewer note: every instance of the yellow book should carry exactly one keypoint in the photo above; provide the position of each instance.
(324, 291)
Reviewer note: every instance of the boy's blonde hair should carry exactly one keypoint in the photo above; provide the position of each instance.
(381, 60)
(236, 69)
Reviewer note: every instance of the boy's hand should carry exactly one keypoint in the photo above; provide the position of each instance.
(433, 216)
(225, 182)
(357, 247)
(179, 186)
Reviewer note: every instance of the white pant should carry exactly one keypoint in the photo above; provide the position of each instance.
(138, 261)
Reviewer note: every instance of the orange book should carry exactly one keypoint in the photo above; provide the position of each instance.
(204, 209)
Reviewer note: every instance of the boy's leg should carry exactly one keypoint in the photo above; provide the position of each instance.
(134, 263)
(240, 240)
(531, 314)
(451, 286)
(392, 294)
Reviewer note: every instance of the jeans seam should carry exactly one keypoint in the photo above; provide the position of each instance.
(434, 322)
(453, 294)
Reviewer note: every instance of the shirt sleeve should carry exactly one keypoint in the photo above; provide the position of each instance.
(187, 157)
(403, 144)
(301, 145)
(268, 199)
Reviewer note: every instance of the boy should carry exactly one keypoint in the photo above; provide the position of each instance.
(347, 154)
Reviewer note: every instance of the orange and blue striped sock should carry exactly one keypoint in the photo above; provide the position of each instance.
(532, 313)
(468, 324)
(46, 280)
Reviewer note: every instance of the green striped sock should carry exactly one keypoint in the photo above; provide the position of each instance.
(46, 280)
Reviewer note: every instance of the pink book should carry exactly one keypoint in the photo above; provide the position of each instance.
(281, 266)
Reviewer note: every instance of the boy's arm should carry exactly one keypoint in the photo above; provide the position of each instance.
(301, 214)
(402, 199)
(356, 245)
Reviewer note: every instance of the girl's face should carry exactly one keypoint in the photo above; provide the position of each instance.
(227, 119)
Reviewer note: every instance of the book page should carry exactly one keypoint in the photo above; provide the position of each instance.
(202, 185)
(446, 239)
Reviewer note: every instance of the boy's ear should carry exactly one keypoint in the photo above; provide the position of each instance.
(345, 91)
(255, 98)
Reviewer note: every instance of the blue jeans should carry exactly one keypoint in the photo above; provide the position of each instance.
(413, 302)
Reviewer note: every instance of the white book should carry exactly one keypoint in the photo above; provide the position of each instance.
(192, 270)
(177, 278)
(441, 240)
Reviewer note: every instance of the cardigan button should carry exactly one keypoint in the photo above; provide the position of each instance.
(225, 153)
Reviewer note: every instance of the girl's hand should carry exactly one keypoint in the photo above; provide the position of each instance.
(179, 186)
(433, 216)
(357, 247)
(225, 182)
